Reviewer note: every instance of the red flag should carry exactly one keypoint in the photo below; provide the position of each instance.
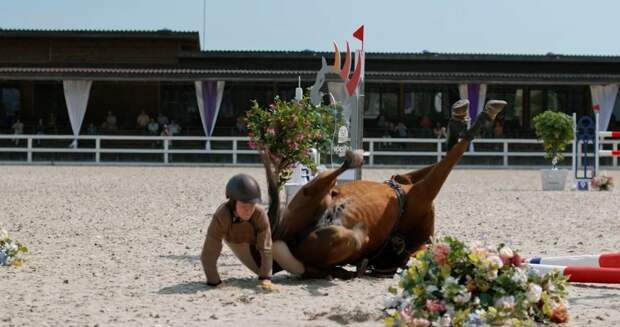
(359, 34)
(596, 107)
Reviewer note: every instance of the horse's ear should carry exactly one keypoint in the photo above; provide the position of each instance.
(323, 63)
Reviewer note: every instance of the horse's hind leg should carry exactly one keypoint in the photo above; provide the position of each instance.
(456, 128)
(432, 183)
(329, 246)
(322, 250)
(413, 176)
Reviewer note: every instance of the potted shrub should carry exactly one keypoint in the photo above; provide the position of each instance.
(555, 129)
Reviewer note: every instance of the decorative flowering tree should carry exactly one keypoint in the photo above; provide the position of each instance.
(289, 129)
(451, 284)
(10, 250)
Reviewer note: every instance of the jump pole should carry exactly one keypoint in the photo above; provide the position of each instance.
(582, 274)
(604, 260)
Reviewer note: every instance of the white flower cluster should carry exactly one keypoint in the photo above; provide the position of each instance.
(10, 250)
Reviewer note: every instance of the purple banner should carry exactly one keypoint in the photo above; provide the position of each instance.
(209, 99)
(473, 93)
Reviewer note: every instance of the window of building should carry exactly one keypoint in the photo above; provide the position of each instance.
(10, 105)
(178, 103)
(511, 118)
(381, 101)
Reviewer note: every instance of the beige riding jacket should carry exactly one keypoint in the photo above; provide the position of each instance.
(225, 226)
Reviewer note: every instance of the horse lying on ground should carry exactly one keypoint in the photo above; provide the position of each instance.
(375, 226)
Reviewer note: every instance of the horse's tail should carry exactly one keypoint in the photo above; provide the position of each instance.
(275, 209)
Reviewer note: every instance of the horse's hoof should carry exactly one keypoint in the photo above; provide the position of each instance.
(493, 107)
(354, 159)
(361, 267)
(460, 110)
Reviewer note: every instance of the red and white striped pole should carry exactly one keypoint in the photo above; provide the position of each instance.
(605, 260)
(582, 274)
(614, 135)
(600, 268)
(609, 153)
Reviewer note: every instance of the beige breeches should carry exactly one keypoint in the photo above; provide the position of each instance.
(281, 254)
(243, 253)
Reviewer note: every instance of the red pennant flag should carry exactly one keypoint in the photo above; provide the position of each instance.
(359, 34)
(596, 107)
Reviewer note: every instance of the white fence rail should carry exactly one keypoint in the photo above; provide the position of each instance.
(107, 149)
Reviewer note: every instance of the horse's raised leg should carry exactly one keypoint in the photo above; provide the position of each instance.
(429, 186)
(456, 127)
(414, 176)
(306, 206)
(419, 221)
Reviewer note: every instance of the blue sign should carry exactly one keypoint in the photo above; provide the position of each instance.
(582, 184)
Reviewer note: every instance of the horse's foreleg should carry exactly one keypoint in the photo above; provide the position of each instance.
(304, 209)
(323, 183)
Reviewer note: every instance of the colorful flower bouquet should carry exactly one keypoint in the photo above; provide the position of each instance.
(10, 250)
(451, 284)
(602, 183)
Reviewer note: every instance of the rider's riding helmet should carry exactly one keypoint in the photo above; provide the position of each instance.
(243, 188)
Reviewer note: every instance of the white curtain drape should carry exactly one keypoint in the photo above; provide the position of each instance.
(209, 98)
(605, 97)
(77, 93)
(438, 101)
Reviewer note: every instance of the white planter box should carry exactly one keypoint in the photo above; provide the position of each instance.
(554, 180)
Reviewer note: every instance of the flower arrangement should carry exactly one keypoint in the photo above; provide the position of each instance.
(289, 129)
(451, 284)
(10, 250)
(602, 182)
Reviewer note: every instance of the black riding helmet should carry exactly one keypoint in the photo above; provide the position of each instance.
(243, 188)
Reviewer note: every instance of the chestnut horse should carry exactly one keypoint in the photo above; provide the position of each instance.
(375, 226)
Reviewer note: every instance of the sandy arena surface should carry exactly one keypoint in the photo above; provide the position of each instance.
(119, 246)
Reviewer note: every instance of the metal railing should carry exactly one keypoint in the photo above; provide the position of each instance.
(381, 152)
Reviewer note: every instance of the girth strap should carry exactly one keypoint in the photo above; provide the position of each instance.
(400, 194)
(396, 241)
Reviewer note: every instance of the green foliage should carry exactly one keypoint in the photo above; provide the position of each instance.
(555, 129)
(289, 129)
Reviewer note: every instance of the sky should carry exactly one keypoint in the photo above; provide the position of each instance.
(447, 26)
